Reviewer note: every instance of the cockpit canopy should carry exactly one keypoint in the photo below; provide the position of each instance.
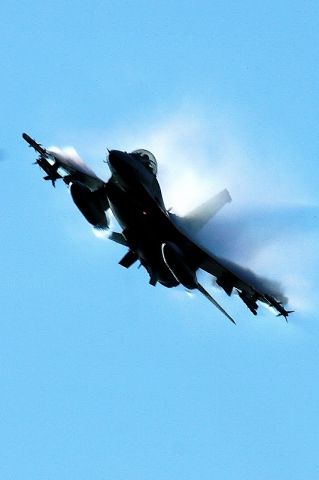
(147, 158)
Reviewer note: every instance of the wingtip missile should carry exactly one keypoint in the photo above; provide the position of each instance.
(285, 314)
(282, 312)
(29, 140)
(32, 143)
(26, 137)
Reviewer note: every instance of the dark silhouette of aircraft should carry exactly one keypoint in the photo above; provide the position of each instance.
(163, 243)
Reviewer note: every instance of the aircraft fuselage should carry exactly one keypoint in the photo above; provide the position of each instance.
(136, 201)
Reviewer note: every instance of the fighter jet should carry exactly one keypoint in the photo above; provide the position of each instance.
(163, 243)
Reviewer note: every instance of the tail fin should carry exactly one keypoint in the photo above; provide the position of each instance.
(197, 218)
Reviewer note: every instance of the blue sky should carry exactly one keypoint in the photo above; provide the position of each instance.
(102, 376)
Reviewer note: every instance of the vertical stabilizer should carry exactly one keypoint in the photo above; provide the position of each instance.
(197, 218)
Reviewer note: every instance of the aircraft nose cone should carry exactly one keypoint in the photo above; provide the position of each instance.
(121, 166)
(114, 159)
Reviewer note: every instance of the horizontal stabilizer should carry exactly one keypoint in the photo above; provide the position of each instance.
(214, 302)
(129, 259)
(197, 218)
(118, 238)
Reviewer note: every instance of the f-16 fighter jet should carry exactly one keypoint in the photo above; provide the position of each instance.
(161, 242)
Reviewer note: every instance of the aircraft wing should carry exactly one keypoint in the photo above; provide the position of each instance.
(230, 276)
(250, 287)
(88, 191)
(62, 166)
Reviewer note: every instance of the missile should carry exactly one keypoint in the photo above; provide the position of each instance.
(37, 147)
